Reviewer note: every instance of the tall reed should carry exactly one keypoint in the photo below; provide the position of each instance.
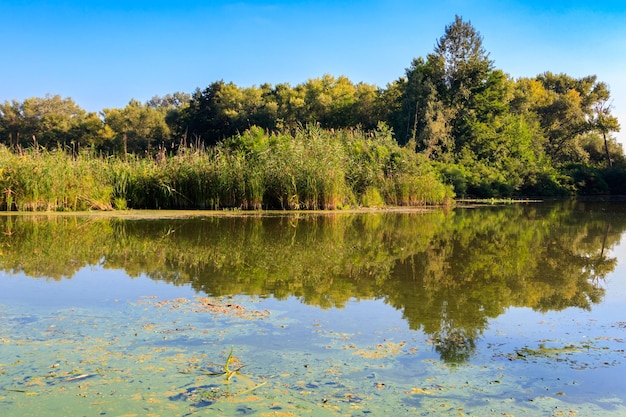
(40, 180)
(311, 168)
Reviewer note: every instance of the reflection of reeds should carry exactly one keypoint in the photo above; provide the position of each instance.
(310, 169)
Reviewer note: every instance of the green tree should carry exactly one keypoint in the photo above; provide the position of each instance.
(453, 88)
(573, 108)
(428, 117)
(173, 106)
(291, 106)
(604, 123)
(167, 102)
(11, 123)
(394, 102)
(461, 69)
(91, 132)
(137, 128)
(201, 118)
(219, 111)
(368, 109)
(50, 121)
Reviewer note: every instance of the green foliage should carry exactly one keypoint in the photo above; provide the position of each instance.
(547, 182)
(313, 169)
(615, 178)
(137, 128)
(51, 122)
(457, 176)
(40, 180)
(372, 198)
(587, 180)
(503, 137)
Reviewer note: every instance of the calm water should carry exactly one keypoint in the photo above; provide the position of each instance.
(516, 310)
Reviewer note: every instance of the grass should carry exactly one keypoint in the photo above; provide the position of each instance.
(310, 169)
(37, 180)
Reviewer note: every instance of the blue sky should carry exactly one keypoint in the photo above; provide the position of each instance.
(104, 53)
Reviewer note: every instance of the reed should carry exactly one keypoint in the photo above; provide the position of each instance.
(311, 168)
(40, 180)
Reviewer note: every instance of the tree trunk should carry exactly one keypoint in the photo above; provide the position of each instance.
(606, 149)
(125, 144)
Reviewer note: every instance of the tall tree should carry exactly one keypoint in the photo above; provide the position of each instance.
(573, 108)
(461, 64)
(48, 121)
(441, 92)
(11, 123)
(604, 123)
(368, 109)
(201, 118)
(220, 111)
(173, 106)
(137, 128)
(429, 118)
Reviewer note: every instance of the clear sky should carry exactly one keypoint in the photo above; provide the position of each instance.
(104, 53)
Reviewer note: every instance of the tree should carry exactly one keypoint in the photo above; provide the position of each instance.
(11, 122)
(572, 109)
(604, 123)
(49, 121)
(201, 117)
(394, 101)
(176, 100)
(173, 107)
(137, 128)
(442, 93)
(91, 132)
(461, 63)
(368, 109)
(291, 106)
(429, 119)
(216, 113)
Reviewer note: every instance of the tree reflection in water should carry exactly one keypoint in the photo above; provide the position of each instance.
(449, 272)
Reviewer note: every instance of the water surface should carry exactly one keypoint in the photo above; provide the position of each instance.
(515, 310)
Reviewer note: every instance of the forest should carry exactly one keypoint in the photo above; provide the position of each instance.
(475, 131)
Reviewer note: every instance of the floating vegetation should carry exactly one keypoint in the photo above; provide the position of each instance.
(382, 350)
(578, 356)
(165, 356)
(544, 351)
(221, 306)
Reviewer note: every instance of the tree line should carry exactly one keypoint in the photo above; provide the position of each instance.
(486, 133)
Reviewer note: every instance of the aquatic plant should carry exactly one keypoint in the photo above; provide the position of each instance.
(39, 180)
(227, 372)
(213, 393)
(311, 168)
